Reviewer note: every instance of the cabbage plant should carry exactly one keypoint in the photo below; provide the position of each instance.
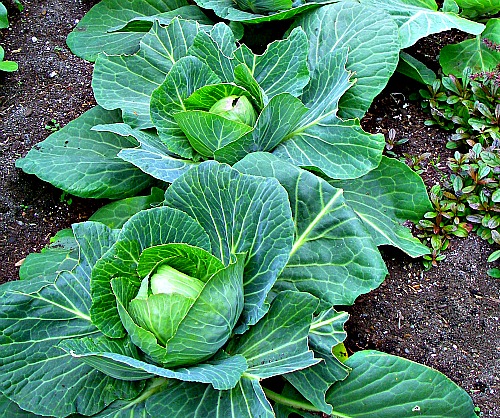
(177, 310)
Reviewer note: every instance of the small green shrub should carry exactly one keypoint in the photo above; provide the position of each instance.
(470, 105)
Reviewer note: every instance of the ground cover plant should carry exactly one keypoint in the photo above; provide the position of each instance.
(4, 23)
(315, 212)
(465, 98)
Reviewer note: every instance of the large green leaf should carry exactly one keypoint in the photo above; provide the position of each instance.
(472, 53)
(152, 156)
(227, 9)
(384, 199)
(274, 69)
(84, 162)
(9, 409)
(187, 400)
(329, 82)
(4, 20)
(146, 229)
(187, 75)
(278, 343)
(381, 386)
(208, 51)
(120, 360)
(94, 34)
(340, 149)
(61, 255)
(240, 214)
(37, 314)
(372, 41)
(323, 140)
(115, 214)
(333, 256)
(475, 8)
(142, 72)
(326, 332)
(417, 19)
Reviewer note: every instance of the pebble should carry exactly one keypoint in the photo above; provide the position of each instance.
(52, 74)
(34, 39)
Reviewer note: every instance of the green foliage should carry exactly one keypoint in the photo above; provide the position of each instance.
(7, 66)
(4, 19)
(470, 105)
(468, 202)
(478, 8)
(187, 304)
(117, 26)
(83, 347)
(478, 53)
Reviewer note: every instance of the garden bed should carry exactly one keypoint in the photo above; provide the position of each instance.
(447, 318)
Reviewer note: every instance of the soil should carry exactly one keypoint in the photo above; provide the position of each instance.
(447, 318)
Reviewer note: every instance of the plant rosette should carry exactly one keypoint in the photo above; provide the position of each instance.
(176, 313)
(159, 118)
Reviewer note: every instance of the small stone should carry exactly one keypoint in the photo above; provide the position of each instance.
(34, 39)
(52, 74)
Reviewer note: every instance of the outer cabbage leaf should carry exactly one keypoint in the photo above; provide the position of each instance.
(324, 141)
(61, 255)
(94, 33)
(227, 9)
(326, 332)
(142, 72)
(151, 156)
(474, 8)
(372, 41)
(472, 53)
(35, 373)
(115, 214)
(187, 400)
(10, 409)
(217, 57)
(333, 256)
(240, 214)
(417, 19)
(384, 199)
(278, 343)
(84, 162)
(381, 385)
(120, 360)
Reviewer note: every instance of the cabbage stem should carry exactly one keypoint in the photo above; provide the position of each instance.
(304, 406)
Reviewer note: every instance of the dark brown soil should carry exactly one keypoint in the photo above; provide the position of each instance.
(51, 84)
(447, 318)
